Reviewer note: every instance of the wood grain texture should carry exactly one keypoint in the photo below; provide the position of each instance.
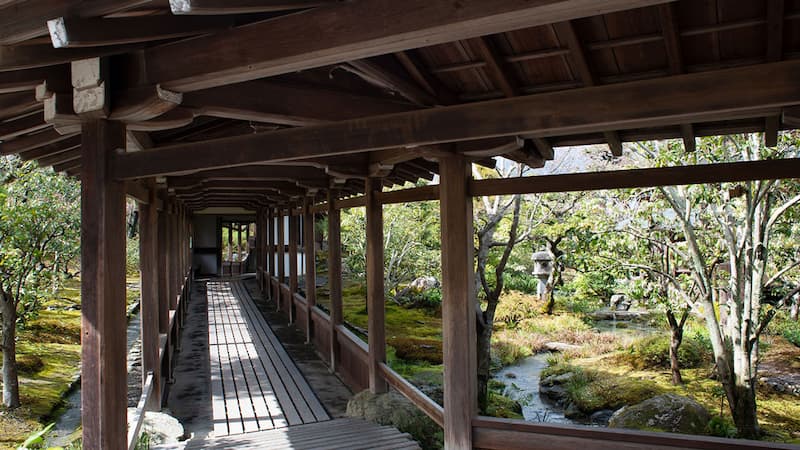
(103, 342)
(310, 254)
(350, 31)
(148, 267)
(375, 287)
(458, 303)
(669, 101)
(334, 275)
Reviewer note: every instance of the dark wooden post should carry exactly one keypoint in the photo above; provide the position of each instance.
(281, 254)
(458, 307)
(375, 295)
(148, 266)
(163, 269)
(334, 274)
(311, 266)
(173, 260)
(294, 231)
(103, 343)
(270, 249)
(258, 252)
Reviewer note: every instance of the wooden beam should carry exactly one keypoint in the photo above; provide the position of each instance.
(143, 103)
(27, 80)
(17, 127)
(22, 22)
(287, 104)
(791, 116)
(494, 65)
(72, 32)
(103, 343)
(374, 73)
(348, 31)
(43, 55)
(69, 154)
(707, 96)
(17, 104)
(774, 50)
(310, 266)
(32, 141)
(459, 336)
(50, 149)
(375, 296)
(334, 276)
(219, 7)
(636, 178)
(577, 55)
(176, 118)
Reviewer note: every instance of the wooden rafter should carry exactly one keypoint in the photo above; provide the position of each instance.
(341, 34)
(220, 7)
(43, 55)
(69, 32)
(16, 127)
(658, 102)
(577, 55)
(19, 23)
(774, 50)
(672, 43)
(27, 80)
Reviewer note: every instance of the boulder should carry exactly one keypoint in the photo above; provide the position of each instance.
(560, 347)
(393, 409)
(553, 389)
(162, 428)
(668, 412)
(423, 284)
(601, 417)
(620, 302)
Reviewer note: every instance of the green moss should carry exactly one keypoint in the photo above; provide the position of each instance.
(415, 349)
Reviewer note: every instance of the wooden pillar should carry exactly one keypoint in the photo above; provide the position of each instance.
(103, 324)
(174, 263)
(150, 320)
(311, 266)
(334, 274)
(375, 294)
(294, 231)
(270, 246)
(281, 254)
(259, 254)
(458, 303)
(163, 271)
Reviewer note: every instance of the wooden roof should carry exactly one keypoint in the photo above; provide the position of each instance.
(258, 102)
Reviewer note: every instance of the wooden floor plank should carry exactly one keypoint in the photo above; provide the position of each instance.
(261, 328)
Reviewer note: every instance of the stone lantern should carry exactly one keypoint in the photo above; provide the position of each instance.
(542, 269)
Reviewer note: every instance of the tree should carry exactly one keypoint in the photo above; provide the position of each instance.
(39, 231)
(728, 230)
(490, 215)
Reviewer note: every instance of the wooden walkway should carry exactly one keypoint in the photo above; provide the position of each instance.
(349, 434)
(255, 386)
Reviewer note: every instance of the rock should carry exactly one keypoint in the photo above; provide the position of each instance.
(162, 428)
(668, 412)
(423, 284)
(601, 417)
(619, 302)
(605, 314)
(553, 389)
(393, 409)
(573, 412)
(560, 346)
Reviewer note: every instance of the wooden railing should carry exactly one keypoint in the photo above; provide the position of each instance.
(168, 343)
(135, 425)
(414, 395)
(509, 434)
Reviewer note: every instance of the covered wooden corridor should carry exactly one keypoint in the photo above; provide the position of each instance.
(282, 109)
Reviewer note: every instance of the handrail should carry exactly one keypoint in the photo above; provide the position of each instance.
(414, 395)
(514, 434)
(135, 427)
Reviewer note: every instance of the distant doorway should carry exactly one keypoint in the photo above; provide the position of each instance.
(237, 241)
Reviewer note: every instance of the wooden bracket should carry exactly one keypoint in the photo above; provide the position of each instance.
(90, 94)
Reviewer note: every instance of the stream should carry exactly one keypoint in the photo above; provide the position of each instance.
(522, 378)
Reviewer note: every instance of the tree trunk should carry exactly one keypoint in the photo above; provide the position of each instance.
(484, 349)
(9, 347)
(795, 306)
(676, 337)
(743, 409)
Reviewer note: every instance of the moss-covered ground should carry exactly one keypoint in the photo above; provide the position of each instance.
(48, 353)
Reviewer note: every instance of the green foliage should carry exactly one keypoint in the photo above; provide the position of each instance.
(721, 427)
(521, 282)
(39, 231)
(653, 352)
(36, 440)
(132, 256)
(514, 307)
(430, 299)
(787, 328)
(593, 286)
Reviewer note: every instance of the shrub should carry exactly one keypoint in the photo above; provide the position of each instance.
(415, 349)
(521, 282)
(29, 364)
(514, 307)
(787, 328)
(653, 352)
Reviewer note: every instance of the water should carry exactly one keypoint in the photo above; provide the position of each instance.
(522, 381)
